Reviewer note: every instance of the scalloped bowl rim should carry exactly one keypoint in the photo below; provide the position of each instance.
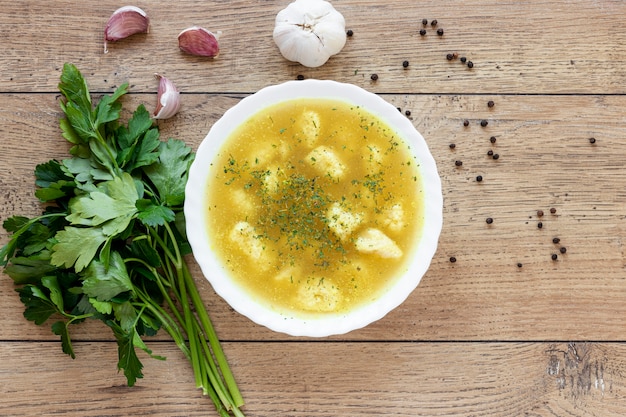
(325, 324)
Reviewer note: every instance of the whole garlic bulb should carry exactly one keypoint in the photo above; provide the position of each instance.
(309, 32)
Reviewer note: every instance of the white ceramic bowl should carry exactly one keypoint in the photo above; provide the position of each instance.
(239, 299)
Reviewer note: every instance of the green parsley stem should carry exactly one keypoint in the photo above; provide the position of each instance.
(187, 318)
(164, 292)
(176, 259)
(174, 331)
(191, 334)
(168, 324)
(198, 327)
(213, 374)
(211, 370)
(210, 333)
(72, 319)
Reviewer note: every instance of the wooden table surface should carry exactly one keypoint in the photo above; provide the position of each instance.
(478, 337)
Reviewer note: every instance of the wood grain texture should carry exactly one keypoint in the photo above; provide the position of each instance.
(517, 46)
(478, 337)
(330, 379)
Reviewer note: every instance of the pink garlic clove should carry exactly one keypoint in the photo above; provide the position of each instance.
(199, 41)
(124, 22)
(168, 99)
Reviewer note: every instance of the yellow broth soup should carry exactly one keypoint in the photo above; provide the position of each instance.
(314, 205)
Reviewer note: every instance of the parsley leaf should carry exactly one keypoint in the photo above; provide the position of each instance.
(38, 306)
(139, 142)
(102, 307)
(127, 357)
(112, 205)
(23, 230)
(25, 270)
(53, 181)
(15, 223)
(147, 151)
(108, 108)
(61, 328)
(85, 172)
(48, 173)
(152, 214)
(51, 283)
(169, 175)
(74, 88)
(125, 314)
(77, 246)
(105, 282)
(36, 240)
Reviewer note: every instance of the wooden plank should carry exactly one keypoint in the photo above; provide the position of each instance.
(516, 46)
(328, 379)
(546, 161)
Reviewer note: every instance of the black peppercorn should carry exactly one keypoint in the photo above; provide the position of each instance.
(539, 213)
(555, 256)
(463, 59)
(496, 156)
(423, 32)
(470, 64)
(540, 225)
(592, 140)
(300, 77)
(490, 103)
(440, 32)
(489, 220)
(484, 123)
(492, 139)
(349, 32)
(479, 178)
(556, 240)
(433, 23)
(489, 153)
(449, 57)
(465, 123)
(452, 259)
(563, 249)
(552, 210)
(424, 22)
(458, 163)
(399, 109)
(374, 77)
(519, 265)
(452, 146)
(407, 112)
(405, 64)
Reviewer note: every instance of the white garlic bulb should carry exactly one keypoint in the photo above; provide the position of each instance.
(309, 32)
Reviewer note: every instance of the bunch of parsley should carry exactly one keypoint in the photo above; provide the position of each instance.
(110, 243)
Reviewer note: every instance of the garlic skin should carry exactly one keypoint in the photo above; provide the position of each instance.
(309, 32)
(198, 41)
(124, 22)
(168, 99)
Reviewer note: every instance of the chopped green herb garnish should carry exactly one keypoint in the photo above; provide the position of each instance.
(296, 210)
